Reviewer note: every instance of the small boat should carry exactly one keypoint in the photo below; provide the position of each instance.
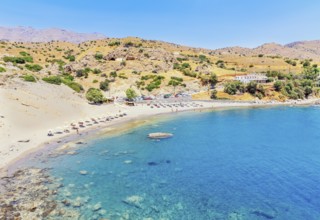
(159, 135)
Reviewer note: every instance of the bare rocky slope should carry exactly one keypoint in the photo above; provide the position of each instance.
(29, 34)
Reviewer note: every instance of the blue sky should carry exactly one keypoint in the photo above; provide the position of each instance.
(201, 23)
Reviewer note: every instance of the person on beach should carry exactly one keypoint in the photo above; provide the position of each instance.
(77, 130)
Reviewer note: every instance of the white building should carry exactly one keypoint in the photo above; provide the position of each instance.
(253, 77)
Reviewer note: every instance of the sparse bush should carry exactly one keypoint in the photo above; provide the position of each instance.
(73, 85)
(114, 43)
(104, 85)
(29, 78)
(96, 71)
(53, 80)
(2, 69)
(71, 58)
(33, 68)
(113, 74)
(18, 60)
(98, 56)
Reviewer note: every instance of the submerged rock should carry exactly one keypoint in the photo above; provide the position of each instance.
(267, 215)
(134, 201)
(97, 207)
(153, 163)
(83, 172)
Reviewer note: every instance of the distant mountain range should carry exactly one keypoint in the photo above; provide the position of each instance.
(29, 34)
(299, 49)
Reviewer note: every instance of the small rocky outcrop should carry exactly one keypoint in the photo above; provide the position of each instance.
(204, 69)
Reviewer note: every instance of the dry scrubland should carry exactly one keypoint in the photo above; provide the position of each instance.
(146, 66)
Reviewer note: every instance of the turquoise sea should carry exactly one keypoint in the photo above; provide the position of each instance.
(261, 163)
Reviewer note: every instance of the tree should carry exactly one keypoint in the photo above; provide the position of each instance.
(232, 87)
(213, 79)
(131, 94)
(252, 87)
(174, 83)
(213, 94)
(307, 91)
(104, 85)
(94, 95)
(277, 86)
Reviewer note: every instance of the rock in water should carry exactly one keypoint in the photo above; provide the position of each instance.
(134, 201)
(83, 172)
(96, 207)
(159, 135)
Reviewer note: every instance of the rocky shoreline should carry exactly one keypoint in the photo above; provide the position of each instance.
(31, 194)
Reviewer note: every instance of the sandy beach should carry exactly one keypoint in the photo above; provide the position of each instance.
(29, 110)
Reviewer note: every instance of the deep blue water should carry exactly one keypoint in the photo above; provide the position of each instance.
(259, 163)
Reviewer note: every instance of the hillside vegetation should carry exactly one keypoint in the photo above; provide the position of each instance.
(148, 67)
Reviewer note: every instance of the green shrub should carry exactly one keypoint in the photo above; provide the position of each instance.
(104, 85)
(277, 86)
(221, 64)
(33, 68)
(213, 94)
(28, 59)
(306, 63)
(96, 71)
(68, 77)
(71, 58)
(252, 87)
(202, 58)
(113, 74)
(177, 78)
(73, 85)
(29, 78)
(23, 53)
(123, 76)
(185, 66)
(131, 94)
(2, 69)
(114, 43)
(189, 73)
(98, 56)
(53, 80)
(18, 60)
(232, 87)
(95, 96)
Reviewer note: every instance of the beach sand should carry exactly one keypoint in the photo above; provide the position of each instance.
(29, 110)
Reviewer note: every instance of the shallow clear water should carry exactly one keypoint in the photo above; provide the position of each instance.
(236, 164)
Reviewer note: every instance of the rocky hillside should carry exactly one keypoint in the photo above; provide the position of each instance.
(149, 67)
(299, 50)
(29, 34)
